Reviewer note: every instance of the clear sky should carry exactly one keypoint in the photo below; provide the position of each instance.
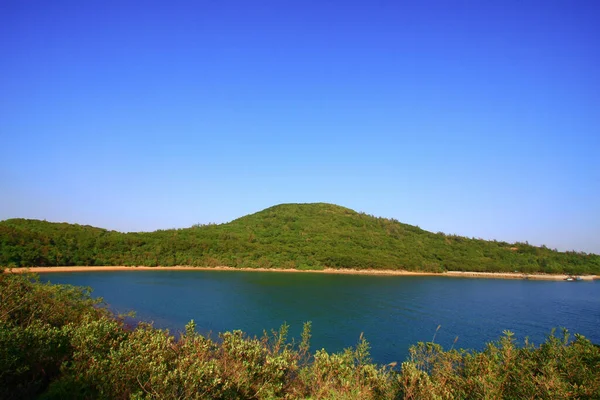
(480, 118)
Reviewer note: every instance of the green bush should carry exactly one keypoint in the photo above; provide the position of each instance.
(30, 357)
(69, 348)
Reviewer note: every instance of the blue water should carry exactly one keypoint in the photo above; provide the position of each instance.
(394, 312)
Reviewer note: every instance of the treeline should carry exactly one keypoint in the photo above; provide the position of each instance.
(56, 342)
(303, 236)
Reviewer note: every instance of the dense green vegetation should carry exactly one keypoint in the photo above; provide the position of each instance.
(304, 236)
(56, 342)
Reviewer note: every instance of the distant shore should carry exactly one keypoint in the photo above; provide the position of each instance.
(454, 274)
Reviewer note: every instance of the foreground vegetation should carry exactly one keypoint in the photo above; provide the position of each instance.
(303, 236)
(56, 342)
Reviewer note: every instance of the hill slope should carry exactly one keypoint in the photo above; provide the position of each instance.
(304, 236)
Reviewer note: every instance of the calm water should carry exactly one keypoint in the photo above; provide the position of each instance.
(393, 312)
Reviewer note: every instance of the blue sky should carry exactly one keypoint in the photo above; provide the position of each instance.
(480, 118)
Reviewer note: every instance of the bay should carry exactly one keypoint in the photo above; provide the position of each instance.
(393, 312)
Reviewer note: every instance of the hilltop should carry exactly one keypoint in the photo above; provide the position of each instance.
(302, 236)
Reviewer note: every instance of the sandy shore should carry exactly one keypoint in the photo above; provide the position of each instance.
(454, 274)
(188, 268)
(512, 275)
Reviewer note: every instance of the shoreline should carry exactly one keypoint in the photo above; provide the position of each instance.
(452, 274)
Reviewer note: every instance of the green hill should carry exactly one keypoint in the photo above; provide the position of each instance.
(303, 236)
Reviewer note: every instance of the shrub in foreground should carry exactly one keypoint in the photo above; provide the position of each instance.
(56, 342)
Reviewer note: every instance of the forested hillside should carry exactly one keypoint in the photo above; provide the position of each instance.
(303, 236)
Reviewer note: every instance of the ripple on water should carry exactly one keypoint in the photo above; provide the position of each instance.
(394, 312)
